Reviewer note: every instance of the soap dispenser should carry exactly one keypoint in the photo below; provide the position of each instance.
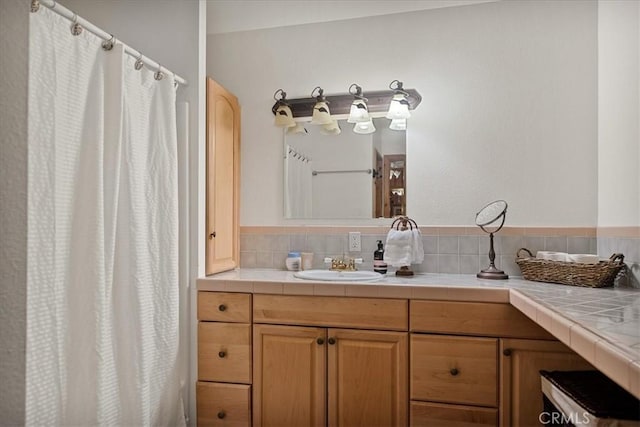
(379, 266)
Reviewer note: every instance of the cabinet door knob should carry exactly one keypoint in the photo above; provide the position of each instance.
(221, 414)
(506, 352)
(212, 235)
(454, 371)
(320, 341)
(331, 341)
(222, 307)
(222, 354)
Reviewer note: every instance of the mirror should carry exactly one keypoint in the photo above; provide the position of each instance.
(491, 219)
(345, 176)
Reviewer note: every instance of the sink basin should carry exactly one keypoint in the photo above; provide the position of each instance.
(339, 276)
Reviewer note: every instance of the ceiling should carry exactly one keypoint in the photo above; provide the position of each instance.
(225, 16)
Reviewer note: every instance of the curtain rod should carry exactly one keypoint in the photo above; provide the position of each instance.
(72, 16)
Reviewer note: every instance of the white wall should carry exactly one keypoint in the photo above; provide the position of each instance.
(509, 105)
(618, 113)
(173, 34)
(14, 42)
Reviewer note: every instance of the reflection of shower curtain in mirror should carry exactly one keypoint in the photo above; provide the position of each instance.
(102, 272)
(298, 200)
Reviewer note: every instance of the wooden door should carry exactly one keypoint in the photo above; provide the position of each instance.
(367, 378)
(521, 362)
(289, 387)
(223, 179)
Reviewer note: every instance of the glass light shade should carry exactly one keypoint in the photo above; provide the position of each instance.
(298, 128)
(333, 128)
(321, 114)
(398, 124)
(399, 108)
(358, 112)
(364, 127)
(284, 117)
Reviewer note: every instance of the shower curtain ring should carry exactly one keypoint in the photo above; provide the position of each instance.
(108, 44)
(139, 64)
(76, 28)
(159, 75)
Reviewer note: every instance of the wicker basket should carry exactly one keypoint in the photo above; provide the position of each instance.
(598, 275)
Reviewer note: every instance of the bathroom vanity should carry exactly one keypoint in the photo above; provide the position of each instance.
(444, 350)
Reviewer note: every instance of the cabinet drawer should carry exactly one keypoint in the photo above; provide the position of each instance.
(454, 369)
(223, 404)
(224, 352)
(473, 318)
(443, 415)
(224, 307)
(341, 312)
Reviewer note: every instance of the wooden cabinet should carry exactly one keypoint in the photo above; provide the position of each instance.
(280, 360)
(367, 378)
(223, 179)
(223, 391)
(314, 376)
(521, 362)
(289, 376)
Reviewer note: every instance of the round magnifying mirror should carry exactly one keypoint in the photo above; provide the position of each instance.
(491, 219)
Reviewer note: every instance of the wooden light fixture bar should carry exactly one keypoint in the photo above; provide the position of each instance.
(377, 101)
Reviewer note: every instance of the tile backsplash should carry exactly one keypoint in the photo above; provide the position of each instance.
(451, 250)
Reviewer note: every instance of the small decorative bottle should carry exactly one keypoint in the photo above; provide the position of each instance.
(379, 266)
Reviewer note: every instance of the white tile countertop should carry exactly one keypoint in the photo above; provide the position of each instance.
(602, 325)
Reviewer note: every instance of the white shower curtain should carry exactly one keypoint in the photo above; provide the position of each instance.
(102, 274)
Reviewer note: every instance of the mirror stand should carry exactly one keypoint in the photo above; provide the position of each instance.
(492, 272)
(490, 216)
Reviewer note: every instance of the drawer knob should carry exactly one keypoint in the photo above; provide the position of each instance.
(222, 307)
(221, 414)
(454, 371)
(222, 354)
(320, 341)
(506, 352)
(331, 341)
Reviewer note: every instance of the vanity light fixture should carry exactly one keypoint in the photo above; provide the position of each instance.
(321, 114)
(352, 106)
(282, 110)
(359, 111)
(398, 124)
(399, 106)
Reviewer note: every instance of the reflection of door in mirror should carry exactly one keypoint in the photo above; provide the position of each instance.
(393, 178)
(378, 209)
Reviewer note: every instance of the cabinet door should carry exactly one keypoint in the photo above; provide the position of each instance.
(223, 183)
(289, 387)
(521, 362)
(367, 378)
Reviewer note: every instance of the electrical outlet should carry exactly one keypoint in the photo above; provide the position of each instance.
(355, 244)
